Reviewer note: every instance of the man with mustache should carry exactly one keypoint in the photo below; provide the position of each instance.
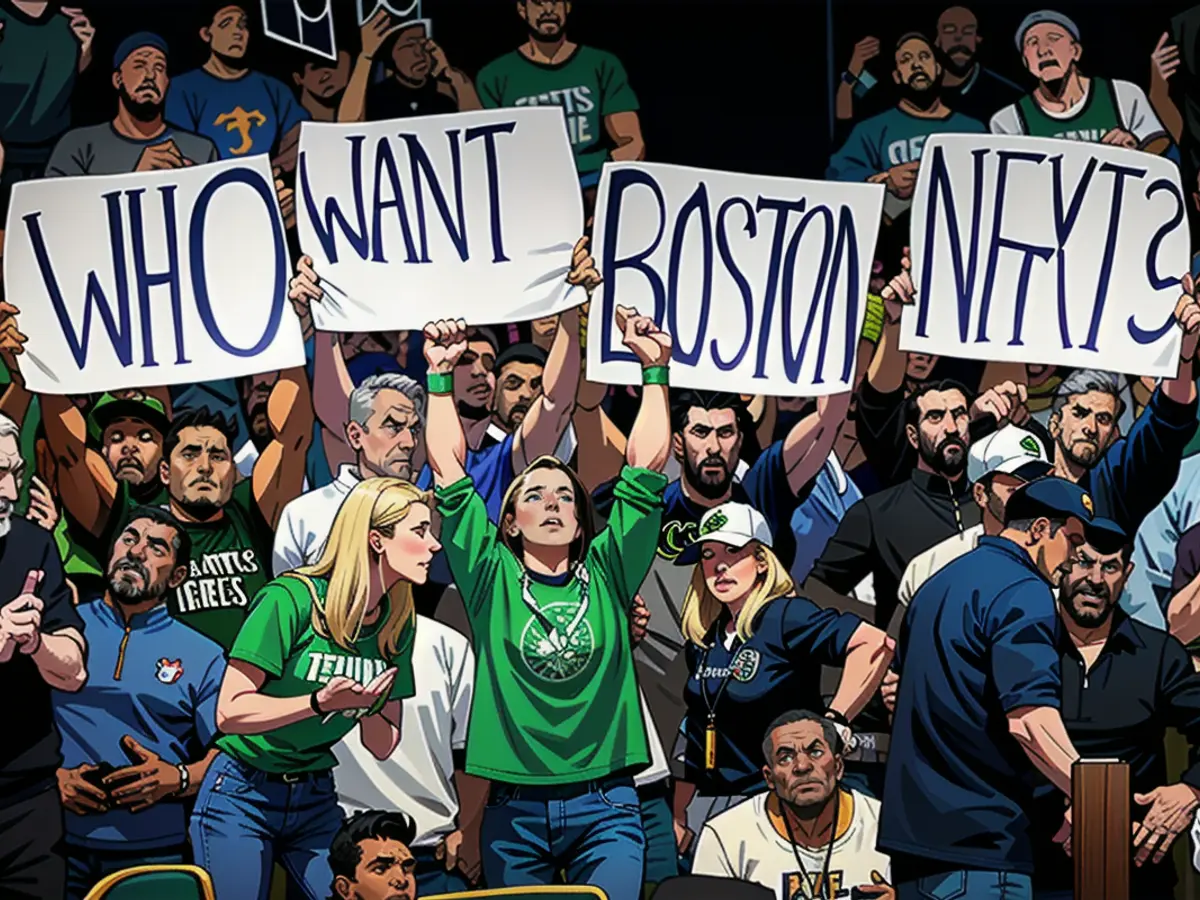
(886, 149)
(590, 85)
(135, 739)
(807, 835)
(138, 139)
(518, 375)
(1124, 684)
(967, 85)
(42, 650)
(1069, 105)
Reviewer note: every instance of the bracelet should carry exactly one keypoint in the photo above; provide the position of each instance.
(873, 321)
(440, 382)
(837, 717)
(654, 375)
(316, 707)
(185, 778)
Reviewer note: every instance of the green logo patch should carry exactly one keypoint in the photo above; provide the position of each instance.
(561, 660)
(1031, 446)
(715, 522)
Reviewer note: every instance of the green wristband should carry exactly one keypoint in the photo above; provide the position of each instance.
(440, 382)
(654, 375)
(873, 321)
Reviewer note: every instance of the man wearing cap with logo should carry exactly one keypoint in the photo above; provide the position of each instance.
(1071, 106)
(138, 139)
(996, 466)
(977, 711)
(126, 429)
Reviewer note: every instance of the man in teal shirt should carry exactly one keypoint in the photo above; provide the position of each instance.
(599, 107)
(887, 148)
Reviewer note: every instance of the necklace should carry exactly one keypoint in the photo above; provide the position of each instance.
(823, 884)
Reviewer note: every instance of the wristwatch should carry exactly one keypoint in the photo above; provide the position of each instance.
(185, 779)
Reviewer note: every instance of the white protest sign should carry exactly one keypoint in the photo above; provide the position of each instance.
(470, 216)
(151, 278)
(761, 281)
(1046, 251)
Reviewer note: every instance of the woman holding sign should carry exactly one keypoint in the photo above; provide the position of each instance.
(324, 647)
(556, 722)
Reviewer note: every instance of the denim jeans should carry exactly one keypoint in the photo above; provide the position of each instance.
(85, 866)
(244, 821)
(662, 854)
(432, 877)
(590, 831)
(969, 884)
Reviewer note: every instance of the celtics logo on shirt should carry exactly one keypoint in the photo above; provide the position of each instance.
(564, 652)
(215, 581)
(745, 664)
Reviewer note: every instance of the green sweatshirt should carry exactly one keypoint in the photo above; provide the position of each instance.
(556, 699)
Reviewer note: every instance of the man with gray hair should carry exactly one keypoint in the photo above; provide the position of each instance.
(387, 414)
(1126, 475)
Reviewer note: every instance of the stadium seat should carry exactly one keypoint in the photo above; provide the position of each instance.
(702, 887)
(154, 883)
(564, 892)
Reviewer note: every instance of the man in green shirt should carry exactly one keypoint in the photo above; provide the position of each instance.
(599, 106)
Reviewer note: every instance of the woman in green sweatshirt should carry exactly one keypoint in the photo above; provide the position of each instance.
(556, 722)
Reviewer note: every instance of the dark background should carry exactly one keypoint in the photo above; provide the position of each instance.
(740, 85)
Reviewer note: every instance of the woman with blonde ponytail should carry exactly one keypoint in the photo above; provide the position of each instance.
(323, 648)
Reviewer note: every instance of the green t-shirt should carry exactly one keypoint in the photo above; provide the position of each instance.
(589, 85)
(231, 561)
(38, 62)
(563, 706)
(1098, 116)
(278, 638)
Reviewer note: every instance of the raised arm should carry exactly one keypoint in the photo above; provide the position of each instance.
(445, 441)
(279, 472)
(548, 417)
(888, 365)
(376, 30)
(649, 444)
(808, 445)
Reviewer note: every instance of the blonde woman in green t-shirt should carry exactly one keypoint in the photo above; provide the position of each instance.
(323, 648)
(556, 720)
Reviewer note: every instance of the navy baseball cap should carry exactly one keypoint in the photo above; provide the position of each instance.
(1050, 498)
(1040, 17)
(137, 41)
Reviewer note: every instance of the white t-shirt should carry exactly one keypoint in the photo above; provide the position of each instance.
(305, 523)
(925, 565)
(749, 842)
(1133, 106)
(419, 777)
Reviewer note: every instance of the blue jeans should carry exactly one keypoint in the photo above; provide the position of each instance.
(967, 884)
(85, 867)
(662, 855)
(245, 820)
(591, 831)
(432, 877)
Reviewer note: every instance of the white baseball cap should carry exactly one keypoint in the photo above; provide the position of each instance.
(735, 524)
(1011, 451)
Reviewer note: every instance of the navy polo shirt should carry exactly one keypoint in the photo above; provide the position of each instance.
(978, 641)
(776, 670)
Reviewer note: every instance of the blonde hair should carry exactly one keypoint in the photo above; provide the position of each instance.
(701, 608)
(375, 504)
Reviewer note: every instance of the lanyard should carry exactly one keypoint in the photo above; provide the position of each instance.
(823, 884)
(559, 639)
(710, 729)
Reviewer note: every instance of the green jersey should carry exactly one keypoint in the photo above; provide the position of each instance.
(589, 85)
(278, 638)
(230, 561)
(1097, 116)
(556, 700)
